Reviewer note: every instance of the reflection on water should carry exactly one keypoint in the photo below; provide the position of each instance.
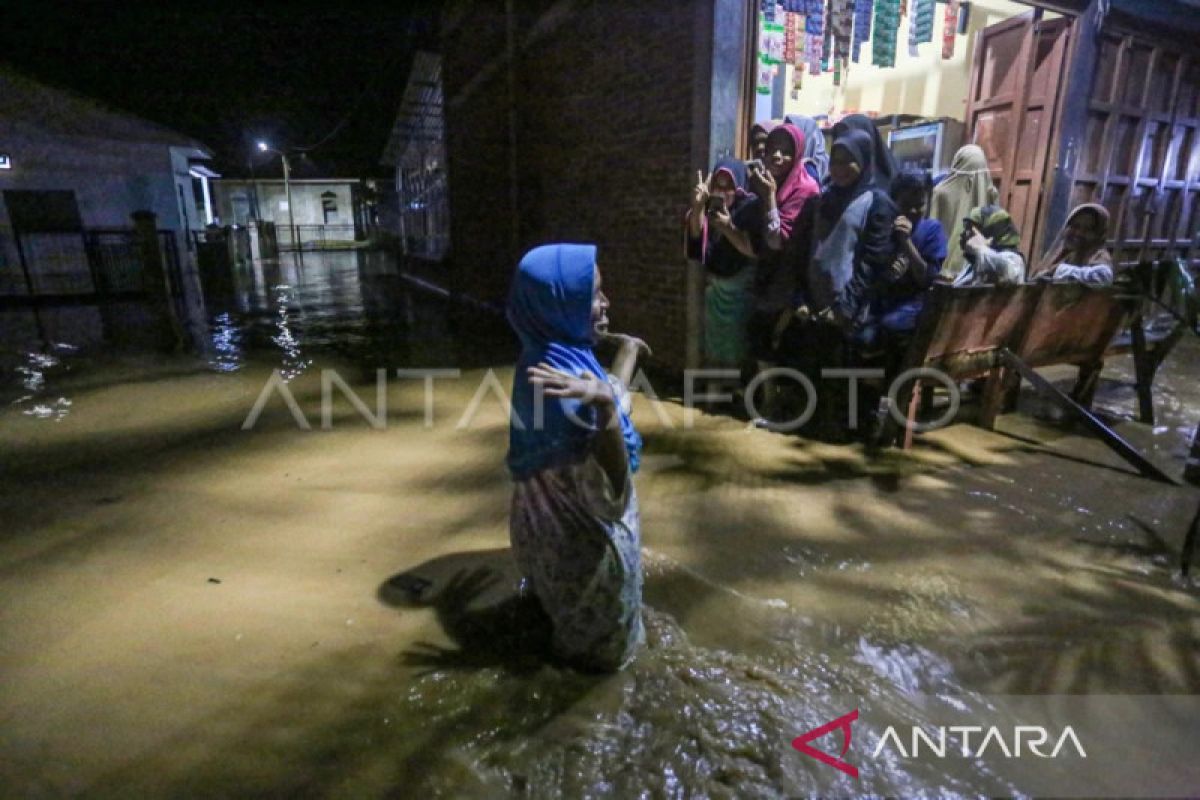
(786, 583)
(293, 362)
(227, 355)
(354, 307)
(32, 376)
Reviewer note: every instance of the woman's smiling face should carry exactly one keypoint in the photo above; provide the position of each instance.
(843, 169)
(599, 307)
(781, 154)
(1083, 231)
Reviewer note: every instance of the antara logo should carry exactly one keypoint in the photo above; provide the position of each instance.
(843, 724)
(936, 741)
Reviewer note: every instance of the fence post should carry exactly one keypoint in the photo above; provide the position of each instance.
(154, 278)
(268, 240)
(214, 256)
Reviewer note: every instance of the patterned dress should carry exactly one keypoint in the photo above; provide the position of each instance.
(578, 543)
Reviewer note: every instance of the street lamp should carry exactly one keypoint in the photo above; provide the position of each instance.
(287, 188)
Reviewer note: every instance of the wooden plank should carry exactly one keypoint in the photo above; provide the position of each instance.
(1161, 157)
(960, 332)
(1144, 375)
(981, 103)
(997, 101)
(1107, 435)
(1050, 105)
(1024, 79)
(1072, 324)
(1108, 145)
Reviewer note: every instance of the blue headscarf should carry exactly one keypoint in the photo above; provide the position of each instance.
(550, 308)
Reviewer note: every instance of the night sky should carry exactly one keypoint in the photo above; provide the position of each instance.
(229, 76)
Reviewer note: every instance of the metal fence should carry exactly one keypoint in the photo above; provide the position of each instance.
(88, 266)
(316, 237)
(425, 216)
(115, 260)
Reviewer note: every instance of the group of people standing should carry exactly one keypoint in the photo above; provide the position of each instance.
(815, 256)
(811, 257)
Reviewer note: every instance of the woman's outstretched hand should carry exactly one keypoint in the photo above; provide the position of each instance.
(624, 341)
(586, 388)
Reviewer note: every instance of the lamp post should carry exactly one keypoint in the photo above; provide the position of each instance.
(287, 188)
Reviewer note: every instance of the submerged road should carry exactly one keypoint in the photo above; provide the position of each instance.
(194, 609)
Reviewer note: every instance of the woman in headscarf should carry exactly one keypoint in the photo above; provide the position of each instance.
(574, 521)
(969, 185)
(759, 132)
(721, 224)
(883, 166)
(787, 197)
(990, 242)
(1078, 254)
(921, 249)
(855, 245)
(855, 250)
(816, 160)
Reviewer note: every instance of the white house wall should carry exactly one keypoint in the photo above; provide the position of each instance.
(272, 201)
(110, 179)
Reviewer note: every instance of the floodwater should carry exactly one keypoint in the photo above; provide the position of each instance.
(194, 609)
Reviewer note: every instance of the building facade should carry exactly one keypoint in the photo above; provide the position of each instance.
(416, 149)
(581, 120)
(324, 209)
(69, 165)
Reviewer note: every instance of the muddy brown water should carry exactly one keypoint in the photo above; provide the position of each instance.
(193, 609)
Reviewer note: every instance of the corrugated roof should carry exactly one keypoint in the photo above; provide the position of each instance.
(420, 121)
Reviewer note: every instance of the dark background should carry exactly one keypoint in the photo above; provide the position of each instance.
(329, 77)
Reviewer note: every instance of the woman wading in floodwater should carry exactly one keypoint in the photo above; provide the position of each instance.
(574, 522)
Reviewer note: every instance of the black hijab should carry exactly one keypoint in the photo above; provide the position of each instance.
(875, 246)
(721, 257)
(837, 198)
(884, 165)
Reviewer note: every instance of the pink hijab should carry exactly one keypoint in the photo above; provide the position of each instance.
(797, 187)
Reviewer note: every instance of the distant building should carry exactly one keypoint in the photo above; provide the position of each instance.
(70, 165)
(417, 149)
(325, 209)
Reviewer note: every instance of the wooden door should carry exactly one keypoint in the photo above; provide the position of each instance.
(1140, 147)
(1013, 107)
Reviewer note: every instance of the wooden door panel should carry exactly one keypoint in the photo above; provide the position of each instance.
(1183, 143)
(993, 132)
(1158, 95)
(1026, 211)
(997, 78)
(1027, 157)
(1001, 46)
(1012, 115)
(1138, 62)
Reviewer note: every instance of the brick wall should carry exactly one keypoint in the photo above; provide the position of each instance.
(604, 153)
